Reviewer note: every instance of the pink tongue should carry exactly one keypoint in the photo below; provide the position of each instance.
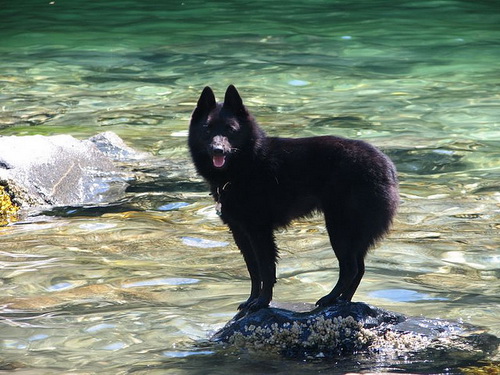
(218, 160)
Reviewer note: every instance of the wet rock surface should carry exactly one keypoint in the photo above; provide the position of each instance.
(62, 170)
(355, 329)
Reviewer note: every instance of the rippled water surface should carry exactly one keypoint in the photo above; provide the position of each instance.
(133, 287)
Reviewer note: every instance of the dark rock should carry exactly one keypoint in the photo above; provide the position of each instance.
(428, 161)
(347, 329)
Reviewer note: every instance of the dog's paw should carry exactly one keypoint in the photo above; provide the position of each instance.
(326, 301)
(244, 305)
(253, 304)
(257, 304)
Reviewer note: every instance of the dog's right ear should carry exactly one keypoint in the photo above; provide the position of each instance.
(206, 102)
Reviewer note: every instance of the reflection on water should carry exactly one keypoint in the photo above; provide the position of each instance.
(130, 287)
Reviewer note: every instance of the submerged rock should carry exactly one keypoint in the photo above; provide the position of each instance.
(111, 145)
(348, 328)
(62, 170)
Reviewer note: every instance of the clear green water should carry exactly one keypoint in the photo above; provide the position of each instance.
(131, 288)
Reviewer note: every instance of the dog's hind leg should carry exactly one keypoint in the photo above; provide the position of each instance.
(349, 276)
(350, 248)
(349, 292)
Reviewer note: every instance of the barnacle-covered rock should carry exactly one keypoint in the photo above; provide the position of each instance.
(349, 328)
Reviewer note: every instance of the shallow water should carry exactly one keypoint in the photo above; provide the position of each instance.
(132, 287)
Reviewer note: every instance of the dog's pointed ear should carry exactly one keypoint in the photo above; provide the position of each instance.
(232, 100)
(206, 102)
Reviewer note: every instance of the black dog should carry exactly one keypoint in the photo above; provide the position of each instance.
(261, 183)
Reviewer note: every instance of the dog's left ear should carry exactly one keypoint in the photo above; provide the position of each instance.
(232, 101)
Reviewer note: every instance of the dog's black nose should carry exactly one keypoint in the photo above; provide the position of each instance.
(217, 150)
(220, 145)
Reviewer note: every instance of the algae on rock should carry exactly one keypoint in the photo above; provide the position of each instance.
(8, 210)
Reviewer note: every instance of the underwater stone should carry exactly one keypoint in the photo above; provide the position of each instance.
(347, 329)
(112, 146)
(62, 170)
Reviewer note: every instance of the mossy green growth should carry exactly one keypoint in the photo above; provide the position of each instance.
(487, 369)
(8, 210)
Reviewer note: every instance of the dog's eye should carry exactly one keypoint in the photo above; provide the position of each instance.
(233, 126)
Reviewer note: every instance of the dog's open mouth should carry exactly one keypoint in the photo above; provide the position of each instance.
(218, 160)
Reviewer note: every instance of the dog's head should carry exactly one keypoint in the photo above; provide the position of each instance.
(221, 131)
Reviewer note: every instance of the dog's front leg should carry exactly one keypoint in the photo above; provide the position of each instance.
(243, 242)
(265, 253)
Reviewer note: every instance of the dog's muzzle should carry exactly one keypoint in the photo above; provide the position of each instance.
(219, 148)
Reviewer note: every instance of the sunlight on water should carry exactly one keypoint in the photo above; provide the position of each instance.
(130, 288)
